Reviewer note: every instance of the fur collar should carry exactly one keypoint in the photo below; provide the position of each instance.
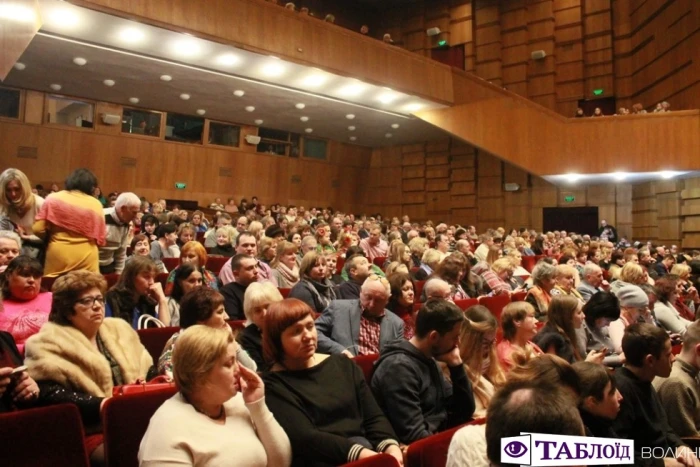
(64, 355)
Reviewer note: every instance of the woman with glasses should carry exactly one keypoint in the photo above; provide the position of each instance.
(79, 355)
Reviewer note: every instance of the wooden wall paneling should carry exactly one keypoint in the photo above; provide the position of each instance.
(15, 36)
(413, 158)
(463, 188)
(417, 171)
(414, 185)
(437, 184)
(597, 40)
(579, 195)
(464, 217)
(601, 194)
(609, 213)
(463, 201)
(462, 175)
(488, 62)
(439, 171)
(437, 158)
(438, 203)
(417, 197)
(33, 107)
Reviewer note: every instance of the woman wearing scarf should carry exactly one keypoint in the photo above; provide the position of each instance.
(72, 224)
(314, 288)
(285, 272)
(539, 296)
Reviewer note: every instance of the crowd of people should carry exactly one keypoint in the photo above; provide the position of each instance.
(583, 345)
(637, 109)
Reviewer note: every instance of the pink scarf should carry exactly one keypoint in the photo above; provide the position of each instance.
(75, 212)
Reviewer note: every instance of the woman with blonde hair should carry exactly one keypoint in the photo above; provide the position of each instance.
(256, 229)
(222, 417)
(285, 271)
(429, 262)
(256, 301)
(267, 249)
(688, 301)
(565, 280)
(519, 327)
(18, 209)
(399, 253)
(225, 238)
(396, 267)
(477, 345)
(417, 245)
(630, 274)
(186, 232)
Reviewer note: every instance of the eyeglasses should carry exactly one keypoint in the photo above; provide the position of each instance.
(90, 301)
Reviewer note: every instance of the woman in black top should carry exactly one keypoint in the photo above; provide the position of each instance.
(19, 390)
(257, 299)
(322, 402)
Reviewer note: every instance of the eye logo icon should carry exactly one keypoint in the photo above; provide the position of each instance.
(515, 449)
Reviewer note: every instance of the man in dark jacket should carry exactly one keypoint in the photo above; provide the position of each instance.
(409, 385)
(245, 272)
(358, 269)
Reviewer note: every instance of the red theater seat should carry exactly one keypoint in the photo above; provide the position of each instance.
(111, 279)
(432, 451)
(215, 263)
(529, 262)
(419, 289)
(48, 436)
(518, 297)
(125, 420)
(163, 279)
(285, 292)
(466, 304)
(154, 339)
(379, 261)
(366, 362)
(236, 324)
(339, 265)
(171, 263)
(495, 304)
(380, 460)
(47, 282)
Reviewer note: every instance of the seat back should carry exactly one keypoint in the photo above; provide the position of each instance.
(154, 339)
(47, 436)
(236, 324)
(47, 283)
(284, 292)
(366, 362)
(432, 451)
(111, 279)
(379, 261)
(466, 304)
(215, 263)
(529, 262)
(125, 420)
(495, 304)
(380, 460)
(171, 263)
(518, 296)
(163, 279)
(419, 289)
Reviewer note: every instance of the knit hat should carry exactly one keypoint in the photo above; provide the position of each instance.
(632, 296)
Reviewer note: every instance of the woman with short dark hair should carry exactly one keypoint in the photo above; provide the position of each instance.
(72, 224)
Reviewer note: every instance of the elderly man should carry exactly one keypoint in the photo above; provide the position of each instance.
(360, 327)
(358, 269)
(437, 288)
(592, 281)
(374, 246)
(242, 224)
(308, 243)
(118, 220)
(10, 248)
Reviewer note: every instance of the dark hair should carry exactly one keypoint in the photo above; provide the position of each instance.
(563, 259)
(198, 306)
(247, 233)
(665, 287)
(593, 378)
(642, 339)
(396, 282)
(150, 219)
(530, 407)
(182, 272)
(138, 238)
(437, 315)
(616, 256)
(354, 251)
(22, 265)
(280, 316)
(81, 180)
(66, 290)
(165, 229)
(561, 316)
(449, 269)
(601, 305)
(237, 259)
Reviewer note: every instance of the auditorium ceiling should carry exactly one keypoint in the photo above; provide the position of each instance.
(171, 71)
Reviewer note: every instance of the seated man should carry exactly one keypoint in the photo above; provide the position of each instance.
(374, 246)
(409, 385)
(358, 269)
(436, 288)
(223, 220)
(245, 272)
(680, 392)
(592, 281)
(642, 418)
(360, 327)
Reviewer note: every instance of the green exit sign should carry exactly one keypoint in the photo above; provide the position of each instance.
(598, 92)
(180, 185)
(569, 198)
(442, 43)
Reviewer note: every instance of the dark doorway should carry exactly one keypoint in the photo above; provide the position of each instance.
(453, 56)
(606, 104)
(580, 220)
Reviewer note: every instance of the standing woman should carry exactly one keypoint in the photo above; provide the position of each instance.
(137, 294)
(73, 224)
(18, 209)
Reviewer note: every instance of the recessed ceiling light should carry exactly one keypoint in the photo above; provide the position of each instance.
(273, 69)
(350, 116)
(573, 178)
(300, 106)
(132, 35)
(353, 138)
(109, 82)
(186, 47)
(184, 97)
(250, 108)
(55, 87)
(351, 128)
(395, 125)
(414, 107)
(17, 13)
(80, 61)
(619, 176)
(63, 18)
(134, 100)
(387, 97)
(166, 78)
(309, 130)
(238, 93)
(388, 135)
(201, 111)
(304, 119)
(315, 80)
(667, 174)
(20, 66)
(352, 90)
(258, 122)
(228, 60)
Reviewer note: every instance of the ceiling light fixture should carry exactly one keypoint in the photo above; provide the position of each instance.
(258, 122)
(80, 61)
(573, 178)
(414, 107)
(619, 176)
(350, 116)
(667, 174)
(166, 78)
(309, 130)
(186, 47)
(250, 108)
(352, 90)
(109, 82)
(20, 66)
(185, 97)
(17, 13)
(387, 97)
(228, 60)
(395, 125)
(273, 69)
(304, 119)
(388, 135)
(314, 81)
(63, 18)
(201, 111)
(132, 35)
(134, 100)
(300, 106)
(238, 93)
(353, 138)
(351, 128)
(55, 87)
